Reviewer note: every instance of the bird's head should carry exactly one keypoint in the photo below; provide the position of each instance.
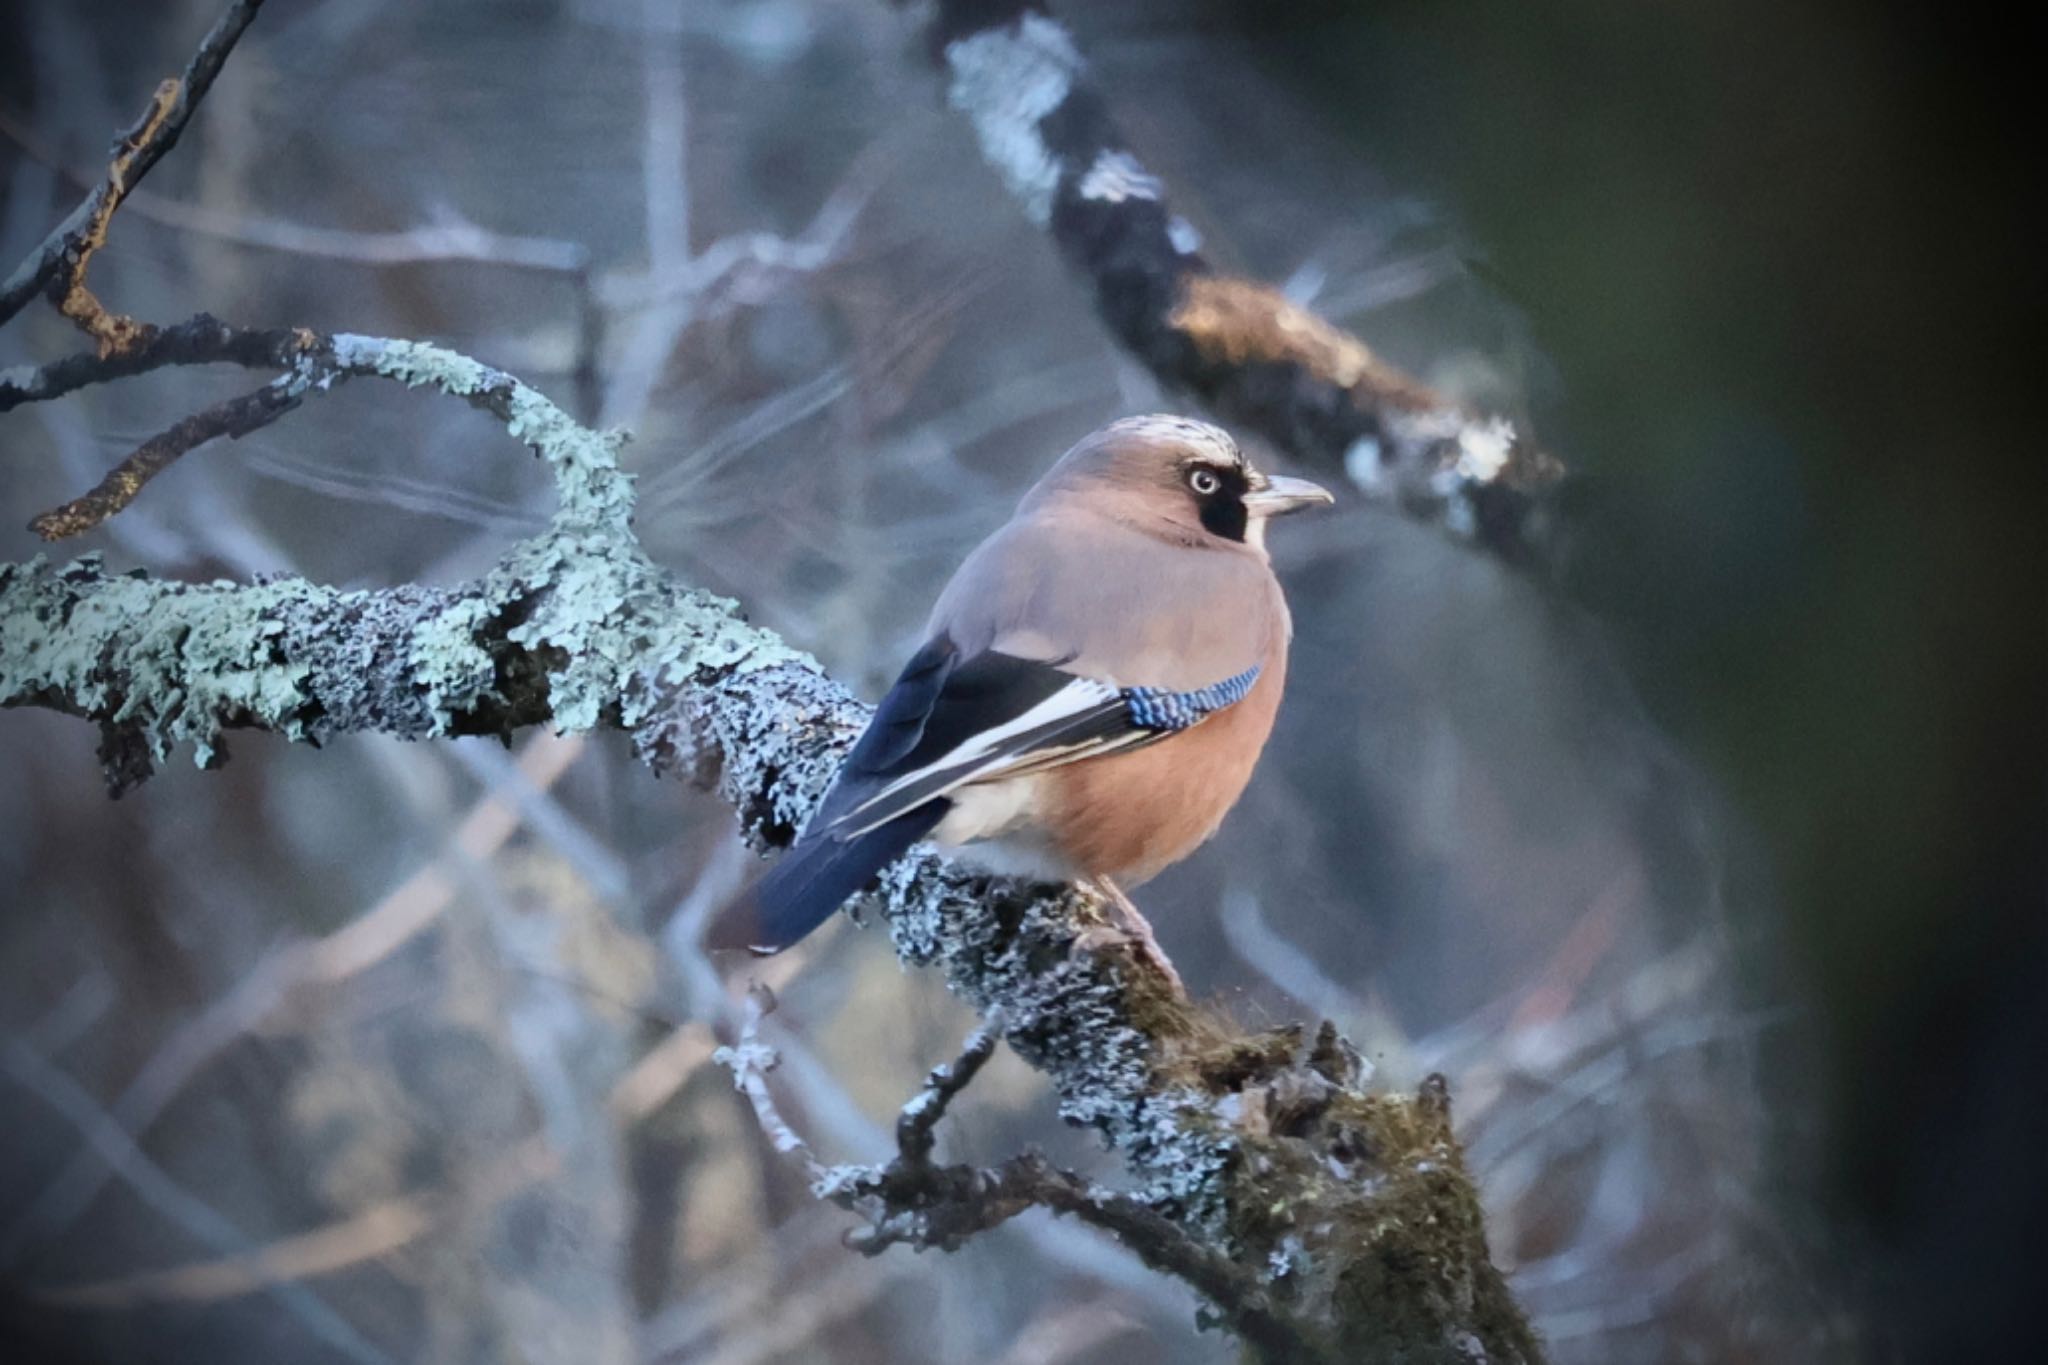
(1174, 477)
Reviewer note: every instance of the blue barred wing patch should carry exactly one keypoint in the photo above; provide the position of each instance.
(1159, 708)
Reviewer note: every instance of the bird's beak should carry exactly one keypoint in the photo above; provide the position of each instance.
(1282, 495)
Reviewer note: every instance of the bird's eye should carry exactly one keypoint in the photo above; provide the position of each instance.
(1204, 481)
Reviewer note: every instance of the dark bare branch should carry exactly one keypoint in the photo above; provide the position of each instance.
(199, 340)
(68, 249)
(236, 417)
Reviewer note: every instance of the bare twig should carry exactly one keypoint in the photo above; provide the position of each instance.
(69, 247)
(661, 1071)
(750, 1060)
(199, 340)
(797, 1322)
(1284, 964)
(64, 1198)
(389, 1224)
(235, 418)
(368, 1235)
(1069, 1331)
(915, 1125)
(913, 1202)
(826, 1100)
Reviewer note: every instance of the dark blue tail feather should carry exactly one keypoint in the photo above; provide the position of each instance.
(815, 878)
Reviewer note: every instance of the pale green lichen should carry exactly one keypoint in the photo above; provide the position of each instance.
(588, 481)
(449, 664)
(413, 363)
(590, 486)
(169, 662)
(579, 606)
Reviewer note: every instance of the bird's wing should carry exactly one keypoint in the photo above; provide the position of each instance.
(950, 721)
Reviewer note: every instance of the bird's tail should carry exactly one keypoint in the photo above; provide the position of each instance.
(813, 879)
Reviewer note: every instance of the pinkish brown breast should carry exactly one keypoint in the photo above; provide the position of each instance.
(1129, 816)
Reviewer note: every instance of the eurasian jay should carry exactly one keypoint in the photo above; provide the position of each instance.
(1098, 680)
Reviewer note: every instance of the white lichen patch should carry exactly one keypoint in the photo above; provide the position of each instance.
(1443, 455)
(1005, 80)
(1484, 448)
(413, 363)
(1116, 176)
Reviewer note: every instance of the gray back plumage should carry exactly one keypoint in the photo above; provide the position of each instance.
(1085, 587)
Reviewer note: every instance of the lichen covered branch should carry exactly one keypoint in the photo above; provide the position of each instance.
(914, 1201)
(1229, 1139)
(1242, 348)
(574, 626)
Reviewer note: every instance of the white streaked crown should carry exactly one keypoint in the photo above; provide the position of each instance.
(1202, 438)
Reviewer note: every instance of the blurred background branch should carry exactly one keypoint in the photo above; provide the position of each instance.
(1254, 356)
(69, 247)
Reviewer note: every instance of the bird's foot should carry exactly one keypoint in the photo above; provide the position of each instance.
(1131, 930)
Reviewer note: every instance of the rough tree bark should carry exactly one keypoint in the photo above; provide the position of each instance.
(1321, 1220)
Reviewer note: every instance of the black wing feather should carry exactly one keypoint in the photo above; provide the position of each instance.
(940, 703)
(812, 880)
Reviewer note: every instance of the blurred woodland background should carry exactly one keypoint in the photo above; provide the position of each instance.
(1709, 875)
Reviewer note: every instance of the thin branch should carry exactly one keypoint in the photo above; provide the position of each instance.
(449, 237)
(234, 418)
(750, 1060)
(829, 1105)
(792, 1330)
(69, 247)
(911, 1201)
(389, 1224)
(199, 340)
(920, 1117)
(1068, 1332)
(368, 1235)
(662, 1070)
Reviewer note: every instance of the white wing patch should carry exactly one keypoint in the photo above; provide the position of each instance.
(985, 755)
